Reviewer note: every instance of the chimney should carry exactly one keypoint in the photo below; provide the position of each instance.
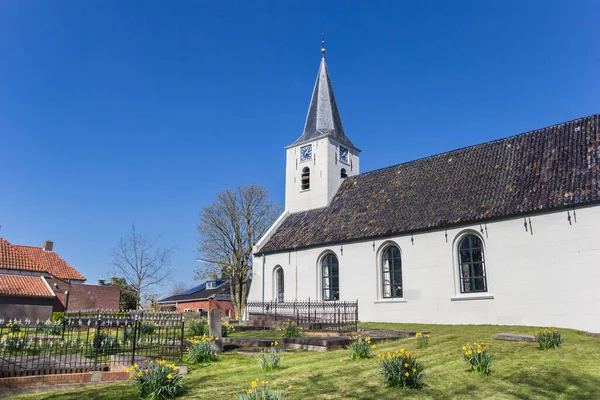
(48, 245)
(214, 277)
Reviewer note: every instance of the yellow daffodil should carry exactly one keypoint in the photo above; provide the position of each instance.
(249, 391)
(169, 376)
(254, 384)
(406, 374)
(139, 374)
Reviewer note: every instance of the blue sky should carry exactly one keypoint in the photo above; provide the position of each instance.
(113, 112)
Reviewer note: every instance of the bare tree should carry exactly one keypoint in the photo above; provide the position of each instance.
(228, 230)
(141, 261)
(179, 287)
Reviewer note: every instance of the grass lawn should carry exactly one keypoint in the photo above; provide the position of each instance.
(521, 371)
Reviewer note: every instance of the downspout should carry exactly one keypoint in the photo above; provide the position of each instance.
(263, 276)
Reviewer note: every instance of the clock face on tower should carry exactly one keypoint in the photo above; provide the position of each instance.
(306, 152)
(344, 155)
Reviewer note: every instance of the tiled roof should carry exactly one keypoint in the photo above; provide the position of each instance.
(549, 168)
(51, 262)
(21, 285)
(12, 258)
(323, 118)
(200, 293)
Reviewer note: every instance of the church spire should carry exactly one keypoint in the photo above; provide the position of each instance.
(323, 117)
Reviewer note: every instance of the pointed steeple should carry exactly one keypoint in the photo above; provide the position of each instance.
(323, 117)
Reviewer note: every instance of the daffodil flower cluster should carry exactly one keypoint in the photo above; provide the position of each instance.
(202, 349)
(226, 328)
(400, 368)
(422, 340)
(361, 348)
(477, 356)
(260, 390)
(548, 338)
(271, 358)
(158, 380)
(290, 329)
(13, 341)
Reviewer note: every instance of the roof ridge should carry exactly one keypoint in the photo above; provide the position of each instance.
(474, 145)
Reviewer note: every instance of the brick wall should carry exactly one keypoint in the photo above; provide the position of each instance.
(85, 297)
(207, 305)
(62, 379)
(26, 307)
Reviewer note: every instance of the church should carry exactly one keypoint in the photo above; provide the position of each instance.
(505, 232)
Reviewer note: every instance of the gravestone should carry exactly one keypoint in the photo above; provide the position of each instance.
(214, 328)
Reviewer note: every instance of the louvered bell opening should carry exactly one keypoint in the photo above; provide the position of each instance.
(305, 181)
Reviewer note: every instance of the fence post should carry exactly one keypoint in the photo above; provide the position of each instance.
(96, 343)
(356, 316)
(309, 311)
(181, 343)
(135, 328)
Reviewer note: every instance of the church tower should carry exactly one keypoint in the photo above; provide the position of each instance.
(319, 160)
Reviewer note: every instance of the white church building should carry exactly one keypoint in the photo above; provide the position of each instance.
(505, 232)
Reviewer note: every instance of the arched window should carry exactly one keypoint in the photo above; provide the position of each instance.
(471, 264)
(305, 178)
(330, 273)
(279, 284)
(391, 272)
(343, 173)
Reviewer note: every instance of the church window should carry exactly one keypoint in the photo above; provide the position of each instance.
(343, 173)
(391, 272)
(279, 284)
(330, 273)
(305, 178)
(471, 264)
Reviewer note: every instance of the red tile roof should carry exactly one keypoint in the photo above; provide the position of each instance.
(12, 258)
(21, 285)
(51, 262)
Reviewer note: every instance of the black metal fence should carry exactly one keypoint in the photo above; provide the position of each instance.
(93, 340)
(338, 316)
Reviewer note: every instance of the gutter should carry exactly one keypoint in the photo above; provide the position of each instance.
(432, 228)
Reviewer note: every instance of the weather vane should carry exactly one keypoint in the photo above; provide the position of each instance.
(323, 43)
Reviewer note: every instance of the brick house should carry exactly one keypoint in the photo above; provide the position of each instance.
(35, 281)
(211, 294)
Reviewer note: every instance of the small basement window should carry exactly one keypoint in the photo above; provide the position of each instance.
(343, 173)
(305, 178)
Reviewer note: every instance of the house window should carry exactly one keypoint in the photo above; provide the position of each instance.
(305, 178)
(279, 284)
(200, 310)
(228, 313)
(343, 173)
(330, 277)
(391, 272)
(187, 309)
(471, 264)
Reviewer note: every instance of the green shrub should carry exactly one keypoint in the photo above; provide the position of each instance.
(360, 348)
(400, 369)
(548, 338)
(147, 327)
(13, 341)
(270, 359)
(202, 349)
(477, 357)
(198, 327)
(289, 329)
(158, 381)
(226, 329)
(50, 328)
(127, 333)
(57, 316)
(263, 392)
(104, 342)
(422, 340)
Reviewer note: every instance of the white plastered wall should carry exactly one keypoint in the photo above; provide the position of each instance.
(548, 278)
